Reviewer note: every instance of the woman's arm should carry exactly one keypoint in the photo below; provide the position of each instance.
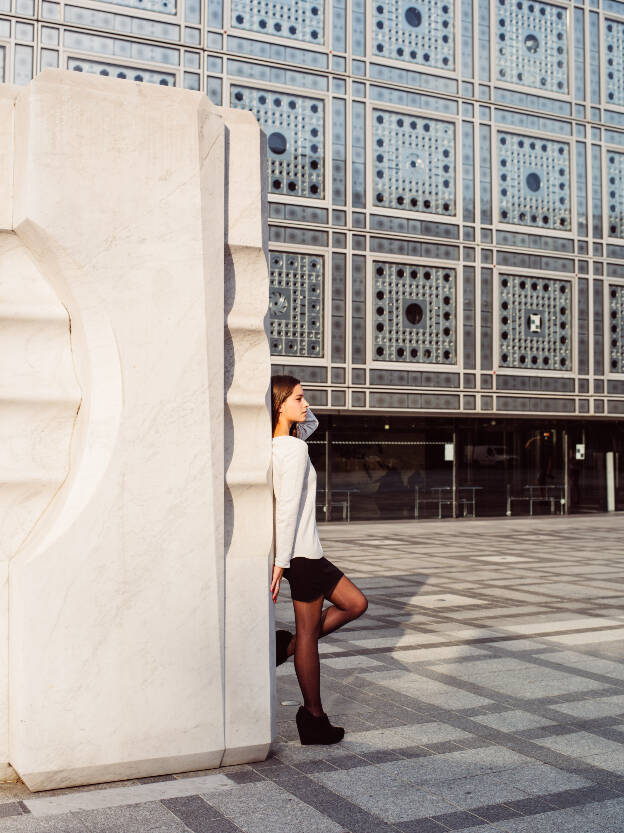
(304, 429)
(290, 477)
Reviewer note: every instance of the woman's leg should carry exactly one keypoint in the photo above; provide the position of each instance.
(348, 602)
(307, 666)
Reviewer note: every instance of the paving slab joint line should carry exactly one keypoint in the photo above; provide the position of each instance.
(126, 796)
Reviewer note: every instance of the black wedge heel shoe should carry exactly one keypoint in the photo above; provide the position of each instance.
(317, 729)
(282, 641)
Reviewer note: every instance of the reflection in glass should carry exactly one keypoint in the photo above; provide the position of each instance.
(385, 466)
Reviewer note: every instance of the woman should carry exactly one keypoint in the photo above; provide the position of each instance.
(299, 558)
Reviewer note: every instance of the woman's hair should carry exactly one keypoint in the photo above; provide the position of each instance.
(281, 388)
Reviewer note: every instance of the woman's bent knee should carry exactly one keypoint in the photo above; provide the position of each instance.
(360, 606)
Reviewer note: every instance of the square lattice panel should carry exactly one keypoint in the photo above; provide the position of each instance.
(413, 313)
(532, 45)
(295, 128)
(614, 46)
(295, 19)
(165, 79)
(534, 323)
(413, 163)
(615, 192)
(534, 181)
(296, 304)
(616, 329)
(417, 32)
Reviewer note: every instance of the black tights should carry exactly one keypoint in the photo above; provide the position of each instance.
(312, 623)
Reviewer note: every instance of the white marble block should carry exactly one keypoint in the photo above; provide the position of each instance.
(133, 589)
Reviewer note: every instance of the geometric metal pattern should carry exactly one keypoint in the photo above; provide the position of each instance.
(166, 79)
(534, 323)
(616, 329)
(413, 313)
(296, 304)
(300, 20)
(532, 45)
(615, 193)
(417, 31)
(161, 6)
(295, 128)
(614, 43)
(413, 163)
(534, 181)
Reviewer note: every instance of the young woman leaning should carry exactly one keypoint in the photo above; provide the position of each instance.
(299, 558)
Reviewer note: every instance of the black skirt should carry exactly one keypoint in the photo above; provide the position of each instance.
(310, 578)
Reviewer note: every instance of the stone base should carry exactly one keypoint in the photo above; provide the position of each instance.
(7, 774)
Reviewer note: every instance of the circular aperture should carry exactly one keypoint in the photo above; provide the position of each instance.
(414, 313)
(277, 143)
(413, 16)
(533, 182)
(531, 43)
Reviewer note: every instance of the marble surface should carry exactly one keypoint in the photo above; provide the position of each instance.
(249, 681)
(39, 400)
(130, 666)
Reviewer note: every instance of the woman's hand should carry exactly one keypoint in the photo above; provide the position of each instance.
(275, 581)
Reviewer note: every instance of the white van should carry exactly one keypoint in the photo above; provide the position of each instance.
(490, 455)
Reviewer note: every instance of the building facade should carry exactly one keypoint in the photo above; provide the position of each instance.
(446, 187)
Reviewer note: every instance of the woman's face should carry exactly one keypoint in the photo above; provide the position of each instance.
(295, 407)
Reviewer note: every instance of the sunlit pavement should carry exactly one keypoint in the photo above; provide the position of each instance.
(482, 690)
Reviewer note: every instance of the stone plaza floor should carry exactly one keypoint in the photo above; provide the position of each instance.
(483, 690)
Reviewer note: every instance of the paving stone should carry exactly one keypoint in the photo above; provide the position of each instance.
(68, 823)
(389, 799)
(420, 826)
(561, 821)
(583, 744)
(10, 808)
(135, 818)
(480, 790)
(258, 808)
(608, 813)
(532, 806)
(501, 712)
(543, 779)
(495, 812)
(245, 777)
(513, 720)
(453, 766)
(460, 820)
(344, 812)
(193, 811)
(426, 734)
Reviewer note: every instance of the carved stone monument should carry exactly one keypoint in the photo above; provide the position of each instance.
(135, 492)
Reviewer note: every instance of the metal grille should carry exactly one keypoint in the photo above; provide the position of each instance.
(417, 32)
(296, 19)
(616, 329)
(295, 128)
(532, 45)
(534, 181)
(413, 313)
(534, 323)
(413, 163)
(296, 304)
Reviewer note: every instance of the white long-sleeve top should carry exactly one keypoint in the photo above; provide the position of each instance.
(294, 488)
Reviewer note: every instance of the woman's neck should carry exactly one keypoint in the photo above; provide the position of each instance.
(282, 430)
